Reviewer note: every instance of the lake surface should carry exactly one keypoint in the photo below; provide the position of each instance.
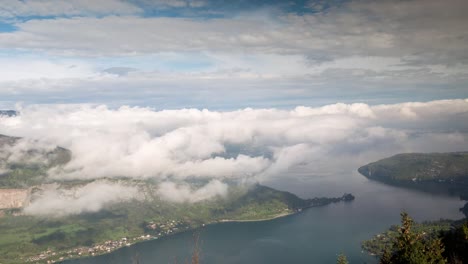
(317, 235)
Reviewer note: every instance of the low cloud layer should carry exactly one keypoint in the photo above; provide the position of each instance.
(58, 201)
(26, 151)
(247, 145)
(89, 198)
(184, 193)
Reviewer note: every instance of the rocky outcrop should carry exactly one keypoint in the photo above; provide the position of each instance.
(14, 198)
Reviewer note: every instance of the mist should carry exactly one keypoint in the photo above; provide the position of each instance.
(90, 198)
(248, 145)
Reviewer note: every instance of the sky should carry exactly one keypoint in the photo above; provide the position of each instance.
(226, 55)
(227, 90)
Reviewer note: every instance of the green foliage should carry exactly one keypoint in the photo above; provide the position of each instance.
(380, 242)
(452, 236)
(464, 230)
(413, 248)
(342, 259)
(456, 243)
(22, 177)
(418, 167)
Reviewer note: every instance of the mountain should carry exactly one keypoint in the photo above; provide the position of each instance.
(432, 171)
(8, 113)
(419, 167)
(38, 239)
(23, 167)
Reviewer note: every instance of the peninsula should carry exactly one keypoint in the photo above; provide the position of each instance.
(431, 172)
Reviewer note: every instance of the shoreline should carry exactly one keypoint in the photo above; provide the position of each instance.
(255, 220)
(145, 238)
(222, 221)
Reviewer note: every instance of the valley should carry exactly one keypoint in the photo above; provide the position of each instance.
(36, 236)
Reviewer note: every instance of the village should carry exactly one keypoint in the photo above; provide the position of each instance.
(153, 230)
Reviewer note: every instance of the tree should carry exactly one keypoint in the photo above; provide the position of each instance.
(456, 243)
(342, 259)
(413, 248)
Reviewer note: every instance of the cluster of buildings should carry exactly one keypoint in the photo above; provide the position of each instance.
(50, 256)
(44, 255)
(159, 229)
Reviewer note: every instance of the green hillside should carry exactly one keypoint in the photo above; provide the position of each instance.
(25, 238)
(420, 167)
(31, 169)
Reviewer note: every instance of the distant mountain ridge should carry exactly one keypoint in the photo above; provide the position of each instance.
(31, 168)
(8, 113)
(436, 173)
(419, 167)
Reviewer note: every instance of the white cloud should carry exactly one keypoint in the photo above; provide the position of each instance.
(136, 35)
(248, 145)
(197, 3)
(26, 151)
(56, 201)
(254, 86)
(176, 3)
(19, 69)
(404, 50)
(419, 32)
(183, 193)
(26, 8)
(244, 144)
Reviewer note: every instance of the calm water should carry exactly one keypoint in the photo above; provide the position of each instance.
(317, 235)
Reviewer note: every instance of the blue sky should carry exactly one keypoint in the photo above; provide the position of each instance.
(231, 54)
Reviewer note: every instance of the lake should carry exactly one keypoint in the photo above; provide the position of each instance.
(317, 235)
